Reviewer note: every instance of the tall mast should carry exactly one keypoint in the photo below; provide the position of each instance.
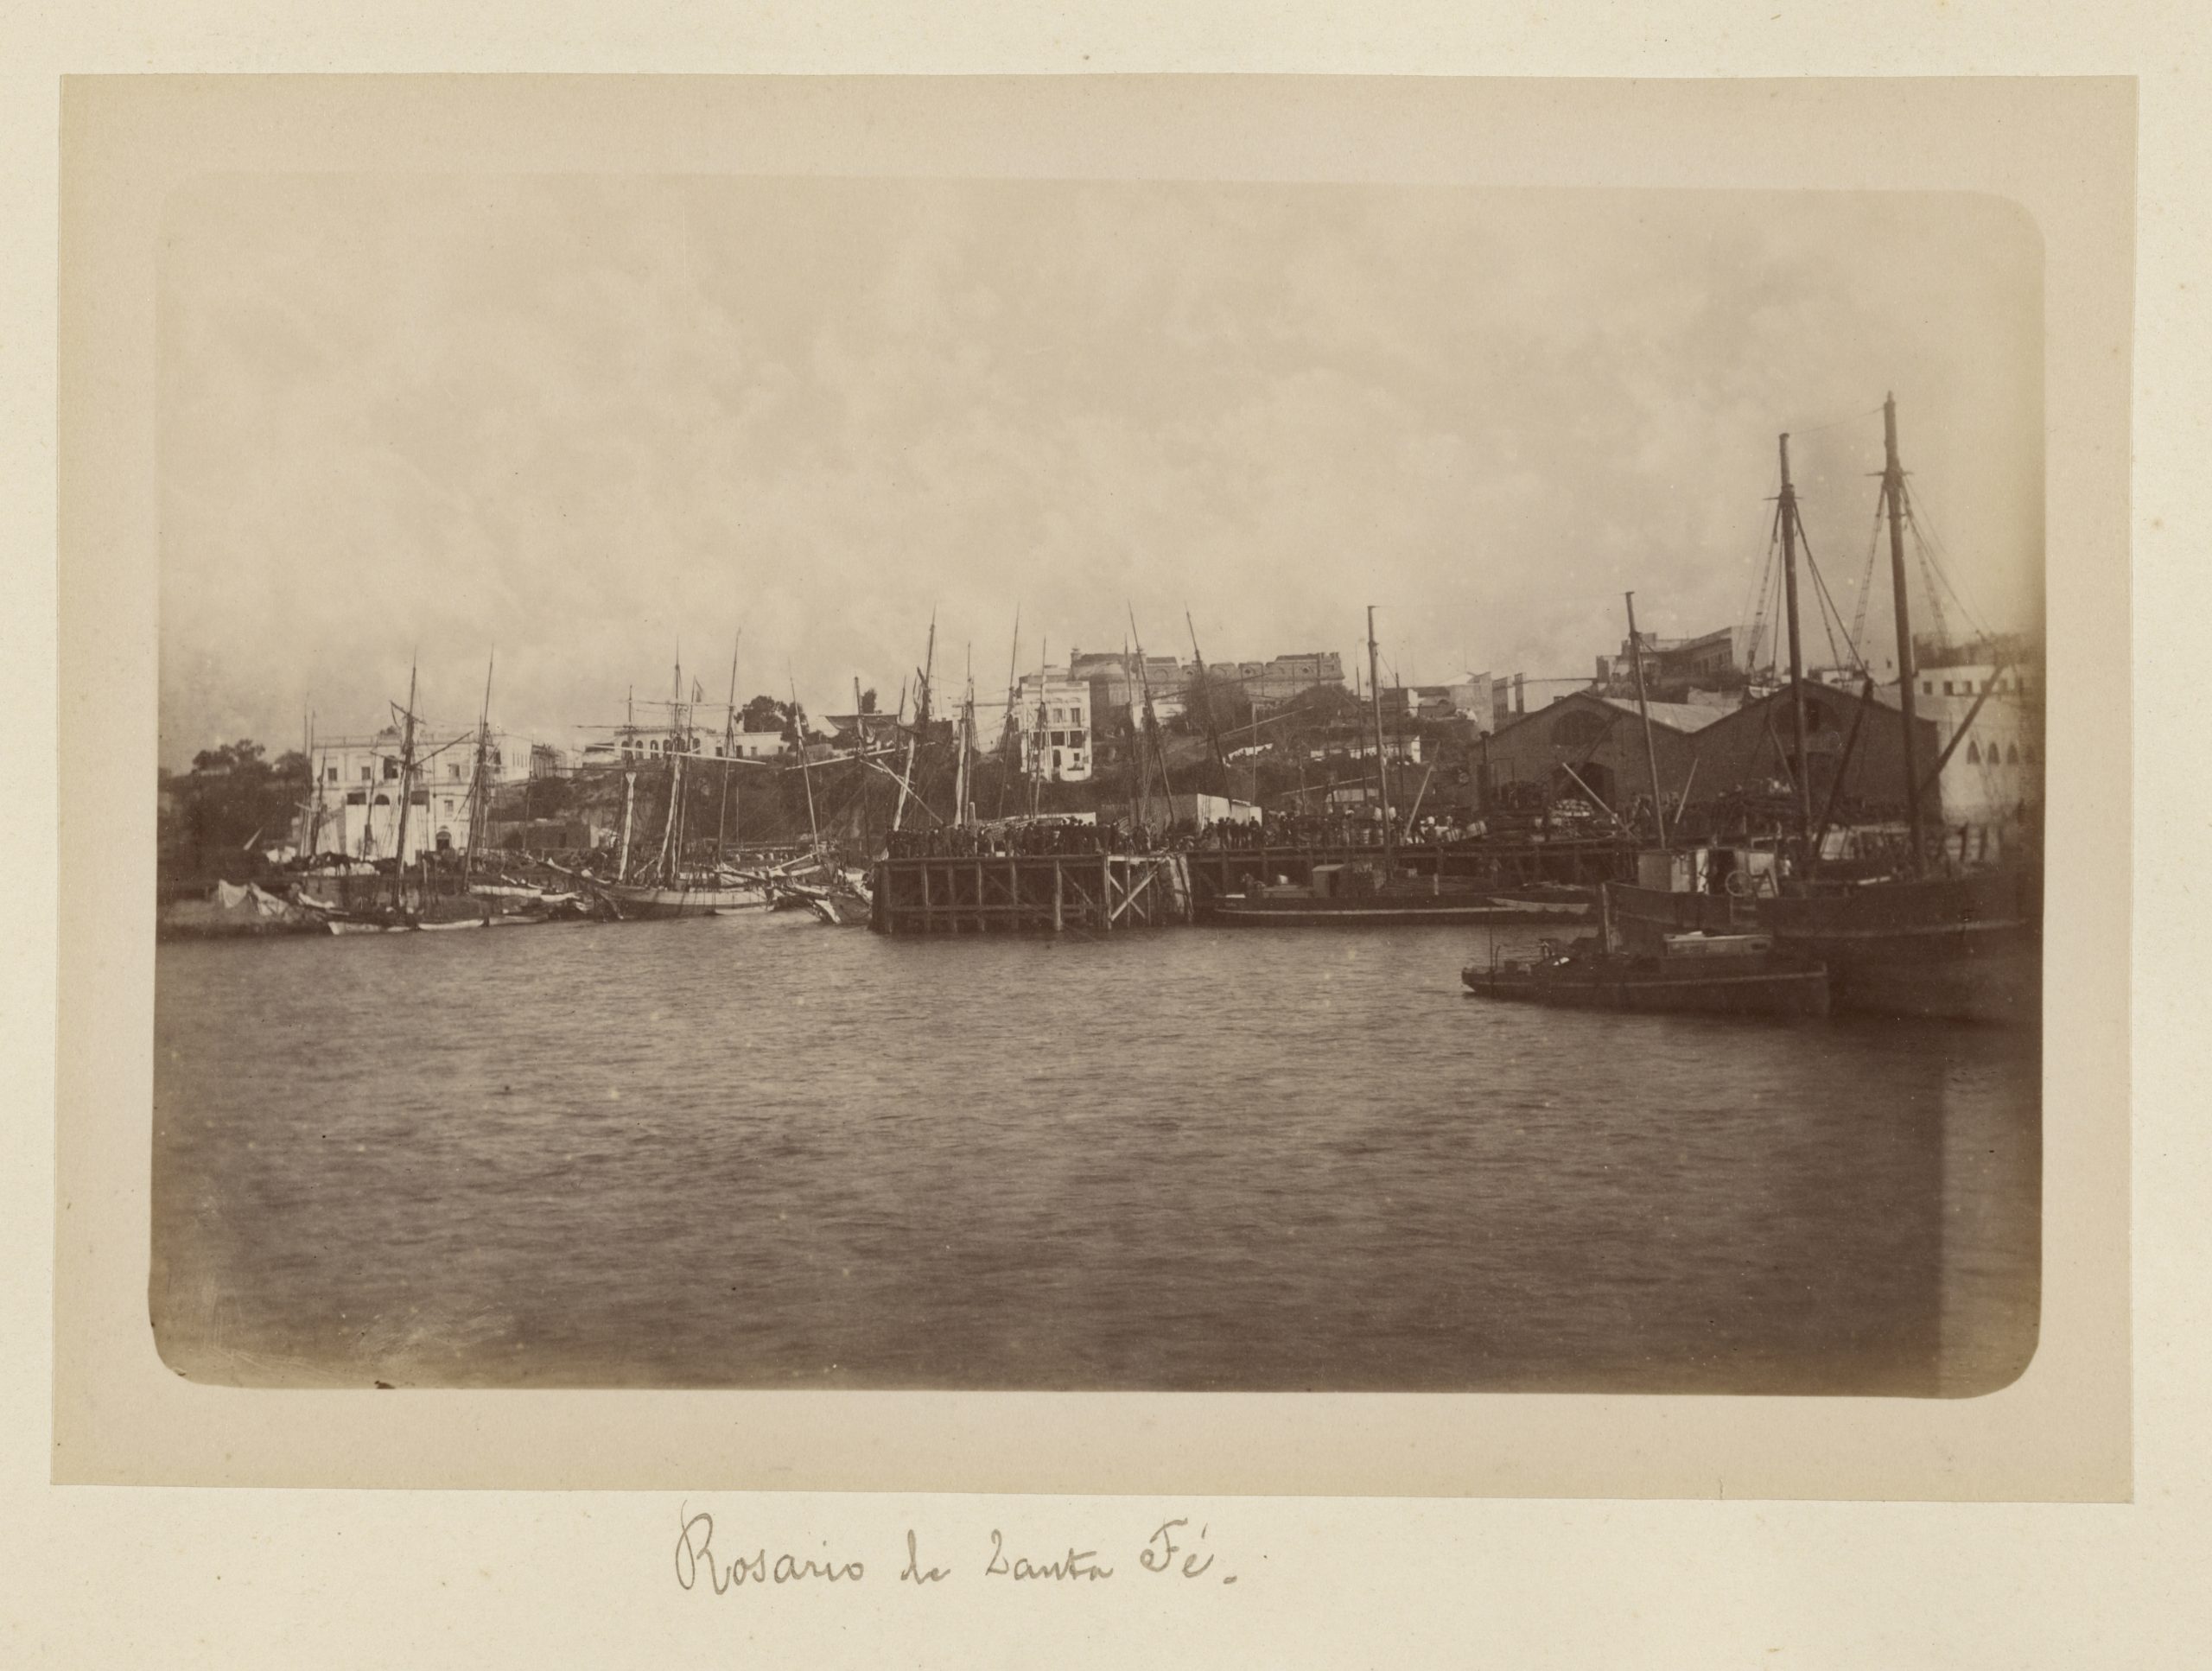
(311, 814)
(1893, 497)
(1643, 708)
(1803, 773)
(1037, 730)
(960, 785)
(913, 737)
(806, 770)
(671, 835)
(406, 787)
(729, 749)
(477, 819)
(1382, 762)
(1141, 788)
(929, 670)
(1205, 686)
(1013, 710)
(859, 748)
(906, 772)
(629, 803)
(1152, 726)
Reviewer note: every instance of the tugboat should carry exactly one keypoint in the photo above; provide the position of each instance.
(1648, 967)
(1721, 974)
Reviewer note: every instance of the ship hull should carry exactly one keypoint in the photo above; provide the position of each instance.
(1962, 949)
(1388, 911)
(1788, 992)
(657, 904)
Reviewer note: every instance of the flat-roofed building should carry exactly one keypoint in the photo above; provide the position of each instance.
(355, 806)
(1053, 713)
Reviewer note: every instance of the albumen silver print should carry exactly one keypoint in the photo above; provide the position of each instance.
(824, 783)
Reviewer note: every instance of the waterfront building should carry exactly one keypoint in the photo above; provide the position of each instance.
(1053, 710)
(2017, 682)
(355, 810)
(1273, 682)
(1722, 657)
(1509, 699)
(640, 745)
(1992, 755)
(1586, 746)
(1116, 688)
(1468, 698)
(1198, 810)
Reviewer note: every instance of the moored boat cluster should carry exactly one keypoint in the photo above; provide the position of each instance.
(1782, 891)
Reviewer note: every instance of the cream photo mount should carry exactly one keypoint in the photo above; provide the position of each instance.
(2061, 149)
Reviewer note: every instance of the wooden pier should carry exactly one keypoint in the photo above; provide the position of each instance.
(1031, 892)
(1215, 872)
(1004, 893)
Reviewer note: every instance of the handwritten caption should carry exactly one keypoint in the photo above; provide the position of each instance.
(1176, 1552)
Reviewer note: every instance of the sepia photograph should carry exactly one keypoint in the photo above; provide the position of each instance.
(1124, 786)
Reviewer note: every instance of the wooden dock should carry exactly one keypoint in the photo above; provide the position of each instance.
(1031, 892)
(1215, 872)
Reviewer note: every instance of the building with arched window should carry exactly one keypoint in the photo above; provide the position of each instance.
(1980, 761)
(1589, 749)
(355, 808)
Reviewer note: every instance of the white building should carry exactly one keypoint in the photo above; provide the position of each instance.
(1270, 683)
(2013, 681)
(1055, 726)
(643, 745)
(1117, 684)
(356, 810)
(1995, 770)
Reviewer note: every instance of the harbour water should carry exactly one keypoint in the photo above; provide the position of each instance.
(754, 1152)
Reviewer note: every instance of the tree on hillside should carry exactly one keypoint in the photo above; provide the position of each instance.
(1327, 704)
(548, 798)
(1217, 704)
(233, 799)
(229, 756)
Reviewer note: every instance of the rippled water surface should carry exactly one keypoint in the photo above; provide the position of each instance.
(753, 1151)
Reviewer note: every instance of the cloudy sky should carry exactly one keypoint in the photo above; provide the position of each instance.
(592, 422)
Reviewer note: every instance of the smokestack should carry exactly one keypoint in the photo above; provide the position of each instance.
(1520, 696)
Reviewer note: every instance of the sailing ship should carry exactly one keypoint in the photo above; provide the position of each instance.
(663, 883)
(1903, 942)
(421, 894)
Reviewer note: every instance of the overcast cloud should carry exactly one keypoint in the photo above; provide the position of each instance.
(588, 420)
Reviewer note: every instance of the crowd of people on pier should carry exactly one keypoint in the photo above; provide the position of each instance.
(1048, 836)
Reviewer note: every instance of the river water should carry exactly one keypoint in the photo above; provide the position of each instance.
(756, 1151)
